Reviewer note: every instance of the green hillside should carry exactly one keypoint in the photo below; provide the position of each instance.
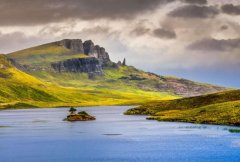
(20, 90)
(37, 62)
(219, 108)
(41, 56)
(29, 80)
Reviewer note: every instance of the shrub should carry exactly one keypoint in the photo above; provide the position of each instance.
(72, 110)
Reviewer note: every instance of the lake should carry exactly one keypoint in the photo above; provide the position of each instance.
(41, 135)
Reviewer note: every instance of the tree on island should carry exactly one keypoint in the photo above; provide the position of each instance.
(72, 110)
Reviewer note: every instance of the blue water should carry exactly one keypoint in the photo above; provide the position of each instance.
(41, 135)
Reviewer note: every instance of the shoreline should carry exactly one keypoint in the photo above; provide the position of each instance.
(124, 113)
(179, 121)
(57, 107)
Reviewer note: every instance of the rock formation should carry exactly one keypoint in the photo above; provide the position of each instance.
(92, 65)
(119, 63)
(101, 54)
(81, 116)
(75, 45)
(96, 59)
(124, 62)
(20, 66)
(87, 65)
(87, 48)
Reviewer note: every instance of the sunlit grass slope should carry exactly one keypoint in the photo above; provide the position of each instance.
(118, 85)
(219, 108)
(114, 79)
(42, 56)
(122, 79)
(18, 90)
(107, 89)
(111, 80)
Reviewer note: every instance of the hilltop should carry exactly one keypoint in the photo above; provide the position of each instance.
(219, 108)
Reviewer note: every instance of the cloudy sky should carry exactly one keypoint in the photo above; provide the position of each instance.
(193, 39)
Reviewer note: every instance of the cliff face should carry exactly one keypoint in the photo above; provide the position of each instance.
(63, 56)
(92, 65)
(102, 55)
(75, 45)
(88, 48)
(88, 65)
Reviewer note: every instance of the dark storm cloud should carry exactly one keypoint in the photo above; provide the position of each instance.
(194, 11)
(231, 9)
(14, 41)
(202, 2)
(164, 33)
(33, 12)
(224, 27)
(210, 44)
(139, 31)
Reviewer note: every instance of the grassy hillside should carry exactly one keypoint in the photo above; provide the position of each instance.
(219, 108)
(122, 79)
(40, 86)
(42, 56)
(18, 89)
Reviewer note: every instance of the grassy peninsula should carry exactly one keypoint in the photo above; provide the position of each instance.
(221, 108)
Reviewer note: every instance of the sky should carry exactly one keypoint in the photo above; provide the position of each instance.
(192, 39)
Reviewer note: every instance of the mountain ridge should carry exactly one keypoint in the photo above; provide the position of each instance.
(73, 55)
(62, 65)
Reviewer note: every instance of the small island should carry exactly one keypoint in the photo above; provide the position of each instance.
(80, 116)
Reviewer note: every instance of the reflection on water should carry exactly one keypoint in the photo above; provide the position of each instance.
(36, 135)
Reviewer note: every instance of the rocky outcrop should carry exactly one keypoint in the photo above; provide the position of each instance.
(102, 55)
(124, 62)
(88, 65)
(20, 66)
(96, 51)
(119, 63)
(87, 48)
(75, 45)
(186, 88)
(81, 116)
(92, 65)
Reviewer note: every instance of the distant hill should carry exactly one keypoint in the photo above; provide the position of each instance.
(219, 108)
(73, 63)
